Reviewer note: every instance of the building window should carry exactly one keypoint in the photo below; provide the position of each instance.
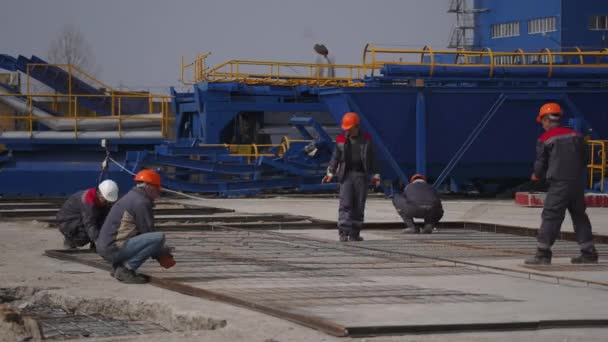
(505, 30)
(542, 25)
(598, 22)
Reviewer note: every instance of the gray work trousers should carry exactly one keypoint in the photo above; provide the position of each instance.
(353, 194)
(74, 233)
(564, 195)
(409, 211)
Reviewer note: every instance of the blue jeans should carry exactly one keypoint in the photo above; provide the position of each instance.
(138, 249)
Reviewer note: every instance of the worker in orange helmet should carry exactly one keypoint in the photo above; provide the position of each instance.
(127, 238)
(561, 161)
(352, 163)
(419, 200)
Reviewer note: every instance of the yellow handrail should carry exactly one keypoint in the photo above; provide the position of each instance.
(73, 112)
(595, 167)
(374, 58)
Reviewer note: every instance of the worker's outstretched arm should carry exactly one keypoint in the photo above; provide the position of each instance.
(90, 221)
(335, 159)
(542, 160)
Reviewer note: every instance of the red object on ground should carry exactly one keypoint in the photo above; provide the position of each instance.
(166, 261)
(537, 199)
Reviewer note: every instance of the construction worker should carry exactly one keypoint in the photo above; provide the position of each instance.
(419, 200)
(560, 159)
(352, 162)
(326, 59)
(127, 238)
(81, 216)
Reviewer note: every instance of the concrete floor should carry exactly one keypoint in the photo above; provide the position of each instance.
(22, 264)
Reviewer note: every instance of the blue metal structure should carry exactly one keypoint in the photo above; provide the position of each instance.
(572, 25)
(454, 121)
(473, 128)
(299, 167)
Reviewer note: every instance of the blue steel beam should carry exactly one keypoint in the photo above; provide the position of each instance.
(470, 139)
(420, 133)
(226, 187)
(378, 142)
(200, 165)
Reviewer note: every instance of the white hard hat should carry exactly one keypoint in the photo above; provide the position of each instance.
(109, 190)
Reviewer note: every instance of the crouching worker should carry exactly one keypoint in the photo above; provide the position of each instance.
(419, 200)
(83, 214)
(127, 238)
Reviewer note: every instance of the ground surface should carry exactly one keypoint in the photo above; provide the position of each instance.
(22, 264)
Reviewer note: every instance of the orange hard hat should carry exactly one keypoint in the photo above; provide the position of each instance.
(350, 120)
(148, 176)
(550, 108)
(417, 176)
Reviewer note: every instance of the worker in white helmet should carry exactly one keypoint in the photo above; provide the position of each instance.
(83, 214)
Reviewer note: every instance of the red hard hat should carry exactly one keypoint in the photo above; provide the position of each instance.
(550, 108)
(417, 176)
(148, 176)
(349, 120)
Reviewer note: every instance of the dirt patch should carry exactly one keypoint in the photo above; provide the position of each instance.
(124, 309)
(30, 313)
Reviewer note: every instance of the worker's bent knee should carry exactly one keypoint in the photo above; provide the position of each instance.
(158, 238)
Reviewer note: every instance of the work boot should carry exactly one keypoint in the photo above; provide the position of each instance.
(343, 238)
(542, 257)
(67, 244)
(427, 229)
(411, 230)
(92, 247)
(128, 276)
(355, 238)
(586, 257)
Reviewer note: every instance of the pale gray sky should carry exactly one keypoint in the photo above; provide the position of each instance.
(139, 42)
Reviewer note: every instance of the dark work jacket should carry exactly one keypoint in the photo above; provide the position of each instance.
(130, 216)
(560, 155)
(339, 159)
(420, 193)
(80, 212)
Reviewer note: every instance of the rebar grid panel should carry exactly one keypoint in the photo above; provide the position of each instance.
(469, 244)
(316, 282)
(58, 324)
(356, 295)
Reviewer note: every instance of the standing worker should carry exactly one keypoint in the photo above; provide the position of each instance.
(324, 58)
(127, 238)
(81, 216)
(419, 200)
(560, 159)
(352, 162)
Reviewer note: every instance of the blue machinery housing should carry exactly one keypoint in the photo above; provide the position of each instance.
(469, 121)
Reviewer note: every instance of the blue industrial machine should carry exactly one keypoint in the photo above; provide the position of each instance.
(188, 165)
(460, 117)
(52, 143)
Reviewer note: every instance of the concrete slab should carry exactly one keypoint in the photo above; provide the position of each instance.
(382, 210)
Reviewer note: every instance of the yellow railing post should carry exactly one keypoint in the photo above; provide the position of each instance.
(603, 171)
(29, 102)
(75, 117)
(591, 165)
(119, 117)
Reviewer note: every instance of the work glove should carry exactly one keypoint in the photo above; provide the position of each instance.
(166, 260)
(165, 257)
(376, 180)
(327, 178)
